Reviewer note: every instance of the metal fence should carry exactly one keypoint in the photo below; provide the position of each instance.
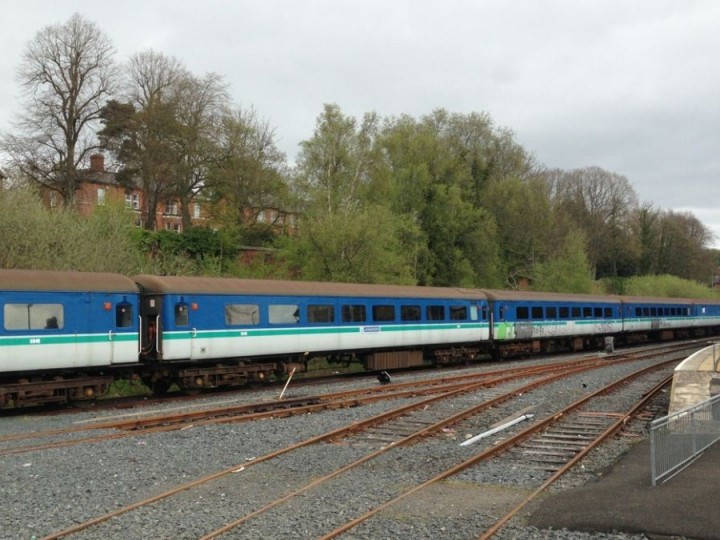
(677, 439)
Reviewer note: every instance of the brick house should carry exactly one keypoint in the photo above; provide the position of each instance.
(99, 186)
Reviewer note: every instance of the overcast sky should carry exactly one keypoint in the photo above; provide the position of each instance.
(632, 87)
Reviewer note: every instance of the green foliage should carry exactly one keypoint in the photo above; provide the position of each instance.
(197, 251)
(461, 240)
(362, 247)
(34, 237)
(567, 270)
(524, 221)
(667, 286)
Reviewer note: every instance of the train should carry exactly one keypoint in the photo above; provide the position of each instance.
(68, 335)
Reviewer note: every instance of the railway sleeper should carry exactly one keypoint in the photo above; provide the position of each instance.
(550, 453)
(569, 445)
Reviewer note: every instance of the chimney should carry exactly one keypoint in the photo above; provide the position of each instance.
(97, 163)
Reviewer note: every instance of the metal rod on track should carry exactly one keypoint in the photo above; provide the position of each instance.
(286, 384)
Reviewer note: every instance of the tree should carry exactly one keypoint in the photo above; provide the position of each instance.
(682, 248)
(201, 106)
(346, 233)
(525, 222)
(144, 131)
(362, 246)
(647, 231)
(66, 75)
(248, 175)
(334, 164)
(566, 269)
(601, 204)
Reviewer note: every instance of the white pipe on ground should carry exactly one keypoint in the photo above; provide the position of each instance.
(499, 428)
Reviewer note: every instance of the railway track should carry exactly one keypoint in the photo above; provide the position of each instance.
(400, 427)
(158, 423)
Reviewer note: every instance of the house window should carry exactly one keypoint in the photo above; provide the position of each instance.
(171, 208)
(101, 196)
(53, 200)
(132, 200)
(196, 210)
(260, 217)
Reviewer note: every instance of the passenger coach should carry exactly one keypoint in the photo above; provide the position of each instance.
(667, 318)
(192, 320)
(527, 322)
(65, 324)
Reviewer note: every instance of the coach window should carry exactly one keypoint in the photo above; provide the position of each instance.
(435, 313)
(522, 313)
(242, 314)
(564, 312)
(458, 313)
(383, 313)
(354, 313)
(410, 313)
(575, 312)
(598, 312)
(123, 315)
(536, 312)
(608, 313)
(284, 313)
(181, 314)
(587, 312)
(34, 316)
(551, 312)
(321, 313)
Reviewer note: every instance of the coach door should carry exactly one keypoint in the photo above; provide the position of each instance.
(123, 348)
(184, 346)
(151, 328)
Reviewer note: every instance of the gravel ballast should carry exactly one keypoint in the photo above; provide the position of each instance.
(46, 491)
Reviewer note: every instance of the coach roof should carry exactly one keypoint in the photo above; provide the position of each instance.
(232, 286)
(533, 296)
(45, 280)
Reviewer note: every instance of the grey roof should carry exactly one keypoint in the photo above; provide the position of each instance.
(44, 280)
(188, 285)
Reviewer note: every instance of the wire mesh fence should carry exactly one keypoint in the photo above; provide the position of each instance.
(677, 439)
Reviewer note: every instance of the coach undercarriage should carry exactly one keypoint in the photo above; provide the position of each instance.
(41, 390)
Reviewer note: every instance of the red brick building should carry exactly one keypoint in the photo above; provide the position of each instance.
(99, 186)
